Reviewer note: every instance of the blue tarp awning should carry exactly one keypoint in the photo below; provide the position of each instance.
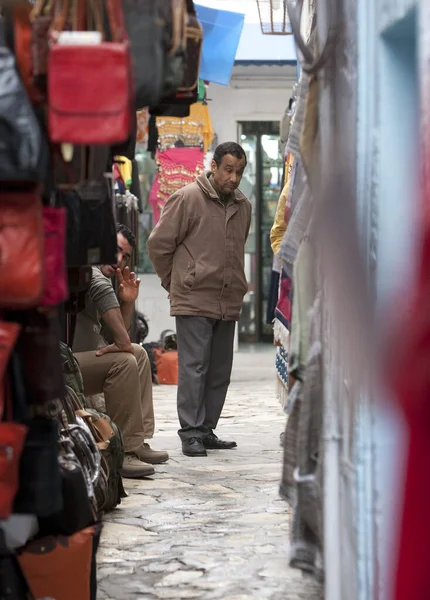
(222, 30)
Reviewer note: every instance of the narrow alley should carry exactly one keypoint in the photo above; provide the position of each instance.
(214, 528)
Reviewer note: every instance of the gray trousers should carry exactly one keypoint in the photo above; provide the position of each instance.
(205, 359)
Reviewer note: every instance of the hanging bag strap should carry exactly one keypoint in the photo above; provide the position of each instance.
(59, 21)
(8, 338)
(116, 18)
(42, 8)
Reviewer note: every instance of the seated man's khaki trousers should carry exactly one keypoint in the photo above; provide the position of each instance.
(126, 381)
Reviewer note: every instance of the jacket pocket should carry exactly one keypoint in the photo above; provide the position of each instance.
(190, 276)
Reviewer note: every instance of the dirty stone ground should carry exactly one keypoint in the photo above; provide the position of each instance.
(209, 528)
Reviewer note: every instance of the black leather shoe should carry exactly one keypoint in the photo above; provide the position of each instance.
(211, 442)
(193, 447)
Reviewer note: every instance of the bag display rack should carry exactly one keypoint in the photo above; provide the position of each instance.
(73, 75)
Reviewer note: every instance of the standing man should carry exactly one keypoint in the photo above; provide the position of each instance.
(197, 250)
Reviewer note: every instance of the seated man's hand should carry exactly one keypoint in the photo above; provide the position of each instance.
(128, 286)
(115, 348)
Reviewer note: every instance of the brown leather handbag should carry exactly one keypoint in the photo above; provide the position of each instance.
(21, 249)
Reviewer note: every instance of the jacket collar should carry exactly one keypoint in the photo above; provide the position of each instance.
(206, 186)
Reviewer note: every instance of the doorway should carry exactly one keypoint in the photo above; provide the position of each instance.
(262, 184)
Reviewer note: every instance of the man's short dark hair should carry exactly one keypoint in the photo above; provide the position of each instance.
(228, 148)
(127, 233)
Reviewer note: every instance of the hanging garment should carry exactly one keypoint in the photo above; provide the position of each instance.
(284, 204)
(293, 143)
(304, 295)
(200, 113)
(195, 130)
(154, 201)
(281, 366)
(142, 117)
(135, 185)
(296, 230)
(152, 135)
(125, 168)
(284, 131)
(281, 333)
(177, 167)
(272, 299)
(283, 310)
(118, 180)
(301, 480)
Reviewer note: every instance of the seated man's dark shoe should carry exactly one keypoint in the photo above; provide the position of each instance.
(193, 447)
(212, 442)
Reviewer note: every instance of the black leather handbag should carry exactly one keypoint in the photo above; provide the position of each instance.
(77, 513)
(91, 231)
(145, 31)
(185, 64)
(39, 490)
(38, 348)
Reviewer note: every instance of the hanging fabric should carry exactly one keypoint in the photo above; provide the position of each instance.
(194, 130)
(177, 167)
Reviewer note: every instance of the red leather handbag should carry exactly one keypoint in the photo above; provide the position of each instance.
(91, 87)
(12, 435)
(21, 249)
(55, 272)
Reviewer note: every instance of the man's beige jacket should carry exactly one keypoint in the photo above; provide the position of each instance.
(197, 249)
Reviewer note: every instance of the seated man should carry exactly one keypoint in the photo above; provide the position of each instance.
(111, 364)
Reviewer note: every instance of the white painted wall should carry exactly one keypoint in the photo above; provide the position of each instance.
(230, 105)
(154, 305)
(387, 79)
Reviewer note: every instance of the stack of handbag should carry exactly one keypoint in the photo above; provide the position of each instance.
(72, 75)
(59, 464)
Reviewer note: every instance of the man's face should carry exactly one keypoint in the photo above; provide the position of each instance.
(122, 258)
(228, 175)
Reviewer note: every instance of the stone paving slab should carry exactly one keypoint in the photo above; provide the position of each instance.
(210, 528)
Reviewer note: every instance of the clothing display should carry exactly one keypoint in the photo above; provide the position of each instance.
(177, 167)
(297, 330)
(284, 206)
(195, 130)
(182, 144)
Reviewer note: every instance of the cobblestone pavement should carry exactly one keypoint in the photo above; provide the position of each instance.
(209, 528)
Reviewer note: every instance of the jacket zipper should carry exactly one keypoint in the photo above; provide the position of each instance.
(225, 249)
